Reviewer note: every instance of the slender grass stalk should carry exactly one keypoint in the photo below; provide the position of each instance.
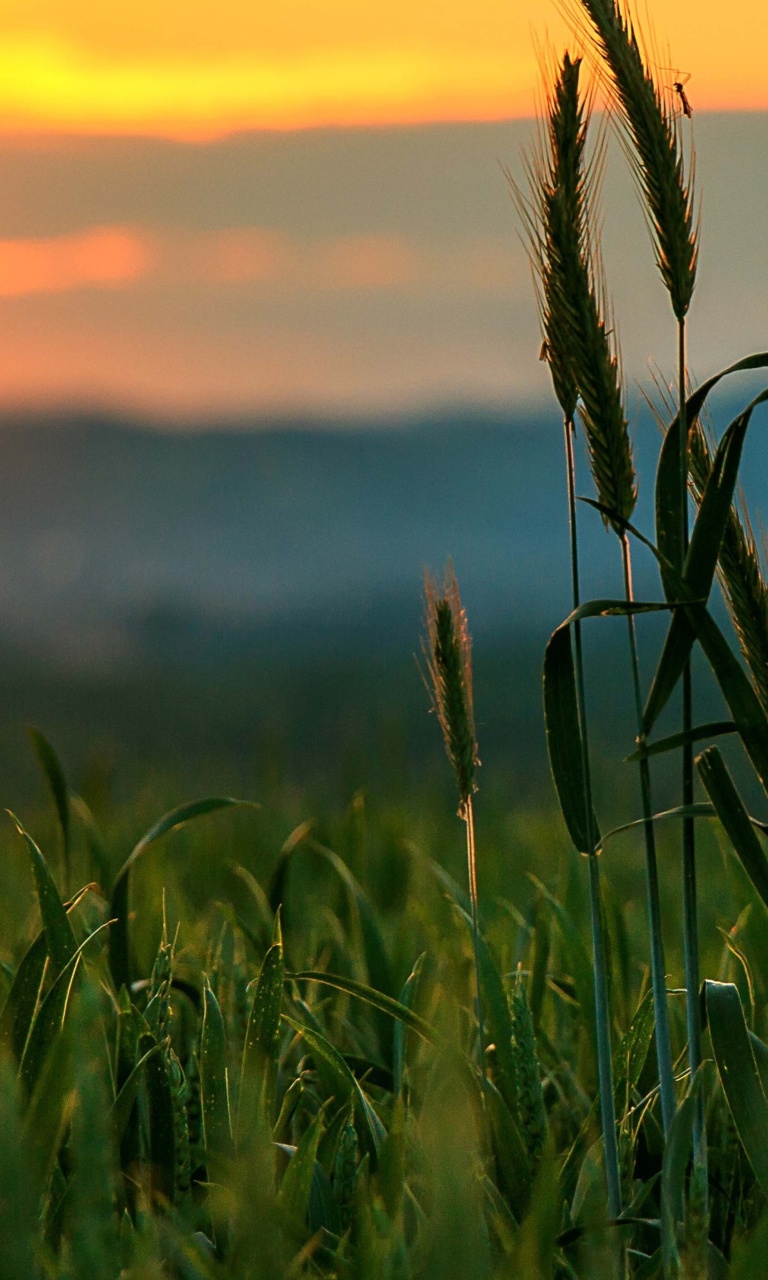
(602, 1003)
(690, 912)
(572, 311)
(661, 171)
(556, 219)
(448, 654)
(658, 976)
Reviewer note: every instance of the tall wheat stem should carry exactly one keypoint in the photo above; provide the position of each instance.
(690, 915)
(658, 968)
(602, 1008)
(469, 819)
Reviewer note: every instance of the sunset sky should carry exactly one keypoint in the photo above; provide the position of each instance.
(235, 206)
(200, 67)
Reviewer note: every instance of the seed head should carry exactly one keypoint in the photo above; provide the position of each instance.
(447, 651)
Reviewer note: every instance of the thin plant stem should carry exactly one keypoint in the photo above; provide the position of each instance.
(658, 968)
(602, 1012)
(469, 818)
(690, 914)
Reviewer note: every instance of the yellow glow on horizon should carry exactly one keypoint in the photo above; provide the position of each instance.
(208, 67)
(50, 87)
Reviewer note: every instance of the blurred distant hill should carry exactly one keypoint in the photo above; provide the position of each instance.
(201, 601)
(118, 541)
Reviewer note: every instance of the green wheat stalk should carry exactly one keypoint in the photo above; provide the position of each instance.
(667, 187)
(448, 655)
(570, 286)
(556, 221)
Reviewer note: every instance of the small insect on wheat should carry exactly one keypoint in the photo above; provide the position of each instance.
(678, 87)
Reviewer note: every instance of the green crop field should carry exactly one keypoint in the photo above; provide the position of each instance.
(448, 1025)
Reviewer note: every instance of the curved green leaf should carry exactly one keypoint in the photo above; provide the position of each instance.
(565, 742)
(119, 950)
(512, 1159)
(162, 1132)
(676, 1151)
(341, 1082)
(121, 1107)
(407, 996)
(697, 810)
(701, 559)
(59, 934)
(214, 1087)
(296, 1186)
(734, 817)
(668, 490)
(21, 1001)
(50, 1017)
(262, 1042)
(376, 999)
(742, 701)
(739, 1075)
(54, 775)
(699, 733)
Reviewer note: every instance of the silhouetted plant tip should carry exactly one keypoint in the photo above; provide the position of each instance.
(448, 654)
(658, 155)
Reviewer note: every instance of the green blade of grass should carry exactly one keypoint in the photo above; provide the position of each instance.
(407, 997)
(700, 733)
(375, 999)
(21, 1001)
(296, 1186)
(701, 560)
(120, 1110)
(59, 935)
(54, 775)
(162, 1132)
(262, 1043)
(734, 817)
(214, 1084)
(342, 1084)
(675, 1162)
(51, 1016)
(738, 1072)
(119, 947)
(668, 491)
(564, 739)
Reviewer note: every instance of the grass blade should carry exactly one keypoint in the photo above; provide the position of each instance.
(296, 1186)
(54, 775)
(262, 1043)
(376, 999)
(734, 817)
(59, 935)
(564, 739)
(214, 1084)
(739, 1076)
(700, 732)
(668, 492)
(119, 949)
(341, 1083)
(51, 1015)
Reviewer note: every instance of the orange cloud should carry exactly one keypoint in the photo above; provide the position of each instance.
(255, 258)
(102, 257)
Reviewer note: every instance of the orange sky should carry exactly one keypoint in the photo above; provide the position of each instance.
(199, 68)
